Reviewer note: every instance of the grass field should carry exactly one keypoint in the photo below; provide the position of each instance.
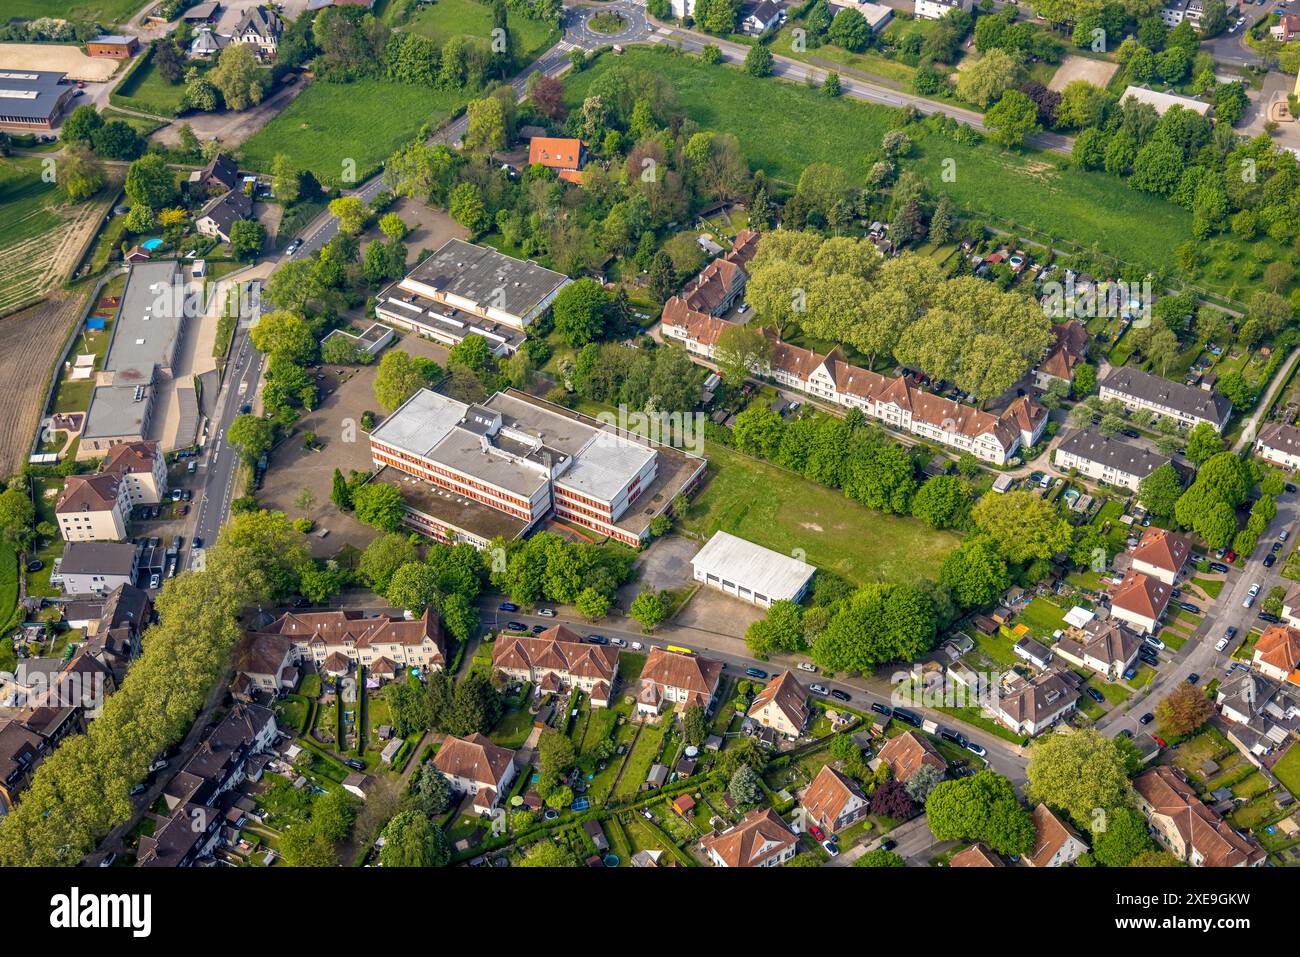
(785, 512)
(147, 92)
(447, 18)
(783, 127)
(31, 215)
(104, 11)
(8, 581)
(1287, 770)
(363, 121)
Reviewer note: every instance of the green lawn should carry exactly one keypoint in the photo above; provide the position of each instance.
(1287, 770)
(1023, 191)
(146, 91)
(8, 581)
(103, 11)
(29, 212)
(1042, 617)
(364, 122)
(785, 512)
(447, 18)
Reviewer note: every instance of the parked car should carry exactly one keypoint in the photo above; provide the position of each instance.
(516, 626)
(908, 717)
(546, 612)
(598, 639)
(1269, 617)
(1254, 589)
(1154, 642)
(1130, 673)
(1193, 678)
(1130, 433)
(881, 709)
(1095, 695)
(816, 832)
(1277, 546)
(756, 673)
(1231, 556)
(830, 848)
(1146, 718)
(356, 764)
(1125, 733)
(1187, 606)
(1219, 567)
(154, 580)
(839, 695)
(111, 857)
(507, 606)
(819, 689)
(1269, 559)
(1231, 632)
(975, 749)
(1221, 644)
(538, 629)
(1159, 740)
(807, 666)
(888, 844)
(1284, 534)
(618, 642)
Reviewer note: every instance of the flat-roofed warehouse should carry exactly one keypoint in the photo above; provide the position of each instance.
(750, 572)
(463, 290)
(33, 99)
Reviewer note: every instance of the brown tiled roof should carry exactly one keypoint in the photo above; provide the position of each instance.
(556, 649)
(758, 836)
(474, 758)
(906, 753)
(1279, 646)
(709, 289)
(977, 855)
(337, 662)
(1026, 413)
(349, 627)
(555, 152)
(1050, 835)
(1141, 594)
(88, 493)
(1162, 549)
(697, 326)
(1200, 827)
(130, 457)
(787, 694)
(261, 654)
(829, 792)
(672, 669)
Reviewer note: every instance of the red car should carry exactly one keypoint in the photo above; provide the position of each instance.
(1231, 556)
(816, 832)
(1159, 741)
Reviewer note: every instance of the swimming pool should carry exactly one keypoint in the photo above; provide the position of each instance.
(151, 244)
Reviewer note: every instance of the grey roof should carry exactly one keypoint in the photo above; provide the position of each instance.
(1120, 456)
(1189, 400)
(114, 410)
(514, 444)
(757, 568)
(110, 38)
(228, 209)
(490, 280)
(148, 322)
(31, 94)
(201, 11)
(98, 558)
(263, 22)
(1279, 436)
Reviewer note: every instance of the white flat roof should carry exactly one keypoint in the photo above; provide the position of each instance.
(757, 568)
(1163, 101)
(606, 465)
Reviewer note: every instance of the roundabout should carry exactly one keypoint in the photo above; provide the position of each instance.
(594, 26)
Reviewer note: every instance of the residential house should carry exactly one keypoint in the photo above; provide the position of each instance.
(1277, 654)
(1286, 29)
(977, 855)
(93, 508)
(671, 679)
(260, 27)
(877, 16)
(761, 839)
(834, 800)
(207, 43)
(142, 469)
(1105, 647)
(1056, 844)
(219, 216)
(1030, 416)
(909, 752)
(1187, 828)
(1291, 605)
(1184, 404)
(1069, 348)
(938, 9)
(225, 758)
(558, 661)
(97, 568)
(1031, 706)
(1107, 459)
(335, 640)
(1032, 651)
(189, 834)
(21, 752)
(219, 176)
(1140, 600)
(1160, 554)
(474, 765)
(759, 16)
(268, 663)
(782, 706)
(1260, 714)
(567, 156)
(1277, 442)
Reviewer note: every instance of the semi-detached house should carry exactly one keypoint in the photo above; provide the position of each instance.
(558, 661)
(1187, 405)
(1107, 459)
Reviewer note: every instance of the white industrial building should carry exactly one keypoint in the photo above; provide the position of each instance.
(750, 572)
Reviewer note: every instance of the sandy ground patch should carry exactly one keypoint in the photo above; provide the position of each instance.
(1096, 72)
(63, 58)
